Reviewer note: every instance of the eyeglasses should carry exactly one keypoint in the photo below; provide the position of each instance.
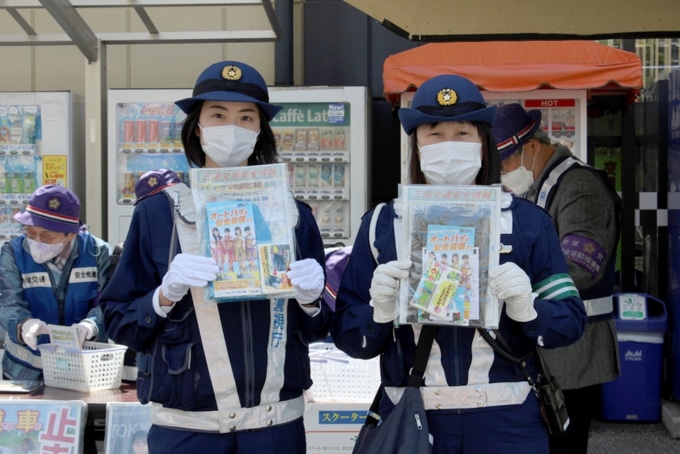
(42, 235)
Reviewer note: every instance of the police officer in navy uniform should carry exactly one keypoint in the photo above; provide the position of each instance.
(226, 377)
(476, 400)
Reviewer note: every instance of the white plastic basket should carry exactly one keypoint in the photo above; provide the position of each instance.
(97, 366)
(339, 378)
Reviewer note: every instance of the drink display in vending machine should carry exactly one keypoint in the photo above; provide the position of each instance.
(144, 133)
(20, 154)
(318, 158)
(322, 134)
(41, 142)
(149, 137)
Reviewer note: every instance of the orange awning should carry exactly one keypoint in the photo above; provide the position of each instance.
(500, 66)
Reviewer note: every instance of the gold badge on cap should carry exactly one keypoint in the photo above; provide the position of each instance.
(54, 203)
(447, 97)
(232, 73)
(153, 182)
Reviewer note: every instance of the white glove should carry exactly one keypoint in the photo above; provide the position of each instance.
(86, 330)
(385, 289)
(185, 271)
(307, 276)
(509, 282)
(31, 329)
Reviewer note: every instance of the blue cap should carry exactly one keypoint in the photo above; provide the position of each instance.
(446, 98)
(513, 127)
(231, 81)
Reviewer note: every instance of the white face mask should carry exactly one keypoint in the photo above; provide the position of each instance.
(519, 180)
(44, 252)
(228, 146)
(451, 162)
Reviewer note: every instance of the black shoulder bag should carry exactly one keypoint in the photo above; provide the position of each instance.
(545, 386)
(405, 430)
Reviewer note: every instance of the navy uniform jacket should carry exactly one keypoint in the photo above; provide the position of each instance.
(535, 249)
(172, 365)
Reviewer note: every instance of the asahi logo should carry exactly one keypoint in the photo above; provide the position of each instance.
(633, 355)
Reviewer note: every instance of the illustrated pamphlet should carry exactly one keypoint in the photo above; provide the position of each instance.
(452, 236)
(232, 245)
(449, 288)
(245, 218)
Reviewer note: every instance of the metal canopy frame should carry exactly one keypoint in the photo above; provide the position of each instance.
(78, 32)
(93, 46)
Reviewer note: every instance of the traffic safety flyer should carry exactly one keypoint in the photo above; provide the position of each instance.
(244, 221)
(452, 236)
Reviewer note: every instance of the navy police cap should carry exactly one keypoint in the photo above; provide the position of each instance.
(231, 81)
(446, 98)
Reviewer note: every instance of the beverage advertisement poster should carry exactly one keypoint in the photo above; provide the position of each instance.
(452, 236)
(244, 221)
(127, 425)
(42, 426)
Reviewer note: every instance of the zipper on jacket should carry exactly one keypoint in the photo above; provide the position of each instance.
(419, 424)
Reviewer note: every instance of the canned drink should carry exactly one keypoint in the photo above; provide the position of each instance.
(300, 176)
(339, 175)
(152, 126)
(326, 176)
(16, 183)
(165, 130)
(339, 139)
(29, 182)
(313, 175)
(128, 190)
(326, 216)
(177, 135)
(339, 214)
(140, 131)
(128, 131)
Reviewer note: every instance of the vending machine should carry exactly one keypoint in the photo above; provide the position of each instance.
(144, 128)
(41, 142)
(321, 133)
(563, 117)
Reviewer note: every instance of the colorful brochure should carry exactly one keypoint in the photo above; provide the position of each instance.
(245, 222)
(452, 236)
(449, 287)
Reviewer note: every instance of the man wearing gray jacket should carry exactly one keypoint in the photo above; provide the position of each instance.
(585, 210)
